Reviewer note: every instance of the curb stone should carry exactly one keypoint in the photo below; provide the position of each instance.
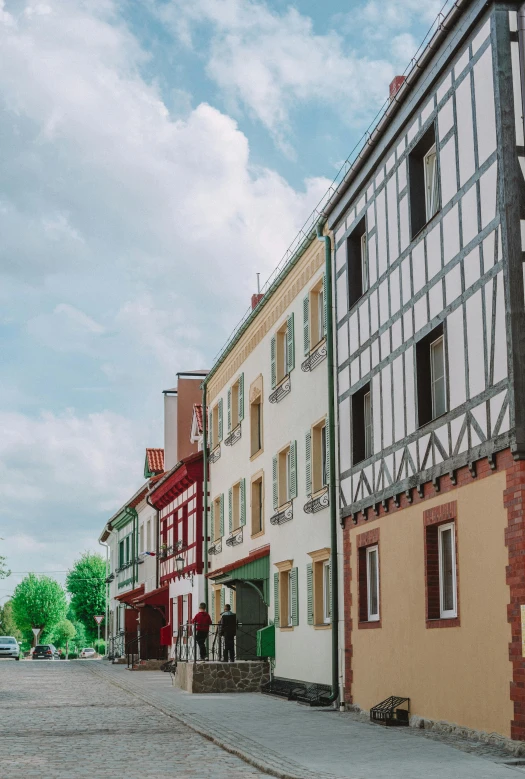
(252, 753)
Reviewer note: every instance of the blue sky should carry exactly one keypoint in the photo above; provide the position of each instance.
(153, 157)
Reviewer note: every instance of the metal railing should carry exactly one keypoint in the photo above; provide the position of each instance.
(145, 647)
(187, 645)
(116, 645)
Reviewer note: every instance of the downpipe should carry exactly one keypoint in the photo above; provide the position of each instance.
(334, 696)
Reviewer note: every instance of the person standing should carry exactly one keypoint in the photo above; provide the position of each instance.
(202, 622)
(228, 631)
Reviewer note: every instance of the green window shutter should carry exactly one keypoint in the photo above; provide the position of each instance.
(290, 343)
(221, 516)
(213, 604)
(241, 397)
(306, 324)
(243, 501)
(327, 449)
(276, 598)
(229, 409)
(308, 462)
(295, 596)
(121, 553)
(275, 484)
(230, 509)
(273, 361)
(326, 307)
(220, 420)
(212, 522)
(223, 598)
(310, 592)
(210, 429)
(293, 469)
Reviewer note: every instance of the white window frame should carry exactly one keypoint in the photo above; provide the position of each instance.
(369, 551)
(367, 415)
(449, 613)
(431, 183)
(364, 264)
(434, 380)
(327, 616)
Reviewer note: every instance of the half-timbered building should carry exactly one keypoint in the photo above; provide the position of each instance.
(428, 234)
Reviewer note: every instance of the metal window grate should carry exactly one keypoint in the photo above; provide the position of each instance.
(388, 712)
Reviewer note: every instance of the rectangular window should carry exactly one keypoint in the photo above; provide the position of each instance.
(316, 458)
(357, 263)
(290, 606)
(148, 536)
(362, 425)
(285, 475)
(372, 571)
(327, 593)
(141, 538)
(215, 425)
(236, 506)
(423, 181)
(431, 376)
(256, 424)
(218, 518)
(257, 505)
(234, 406)
(447, 571)
(236, 403)
(282, 354)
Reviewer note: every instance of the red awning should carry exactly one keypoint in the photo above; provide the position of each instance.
(158, 597)
(130, 595)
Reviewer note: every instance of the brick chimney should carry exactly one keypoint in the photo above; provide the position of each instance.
(396, 85)
(255, 299)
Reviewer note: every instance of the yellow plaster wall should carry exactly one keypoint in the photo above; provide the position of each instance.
(460, 674)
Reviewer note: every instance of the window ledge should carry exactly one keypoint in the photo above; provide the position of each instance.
(448, 622)
(258, 534)
(318, 501)
(316, 356)
(234, 436)
(287, 629)
(368, 625)
(328, 626)
(256, 454)
(216, 547)
(283, 388)
(284, 514)
(235, 537)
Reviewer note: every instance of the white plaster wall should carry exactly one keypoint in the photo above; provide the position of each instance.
(302, 653)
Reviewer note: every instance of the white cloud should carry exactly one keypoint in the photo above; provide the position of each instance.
(272, 62)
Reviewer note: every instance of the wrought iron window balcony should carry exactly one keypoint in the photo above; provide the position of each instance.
(215, 548)
(281, 391)
(235, 538)
(316, 356)
(234, 436)
(110, 578)
(215, 454)
(284, 514)
(317, 502)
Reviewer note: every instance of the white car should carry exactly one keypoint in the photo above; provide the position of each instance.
(90, 652)
(9, 647)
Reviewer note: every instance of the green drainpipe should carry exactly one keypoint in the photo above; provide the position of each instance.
(205, 469)
(331, 476)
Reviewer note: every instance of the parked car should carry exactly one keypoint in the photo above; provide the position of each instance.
(88, 652)
(45, 652)
(9, 647)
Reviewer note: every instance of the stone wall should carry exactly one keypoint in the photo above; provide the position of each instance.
(241, 676)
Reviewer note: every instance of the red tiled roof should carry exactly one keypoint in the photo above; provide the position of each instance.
(197, 410)
(155, 460)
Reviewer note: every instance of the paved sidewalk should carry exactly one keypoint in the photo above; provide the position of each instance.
(290, 740)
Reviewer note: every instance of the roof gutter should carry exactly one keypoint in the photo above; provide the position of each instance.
(396, 102)
(330, 364)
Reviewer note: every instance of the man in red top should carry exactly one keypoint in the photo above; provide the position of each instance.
(202, 622)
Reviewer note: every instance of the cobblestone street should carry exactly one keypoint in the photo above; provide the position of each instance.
(60, 721)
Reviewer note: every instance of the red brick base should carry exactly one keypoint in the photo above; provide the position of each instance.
(514, 502)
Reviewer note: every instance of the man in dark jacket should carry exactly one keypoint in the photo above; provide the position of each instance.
(202, 622)
(228, 630)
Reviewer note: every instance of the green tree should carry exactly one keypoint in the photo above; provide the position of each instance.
(62, 633)
(7, 623)
(4, 571)
(38, 602)
(86, 584)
